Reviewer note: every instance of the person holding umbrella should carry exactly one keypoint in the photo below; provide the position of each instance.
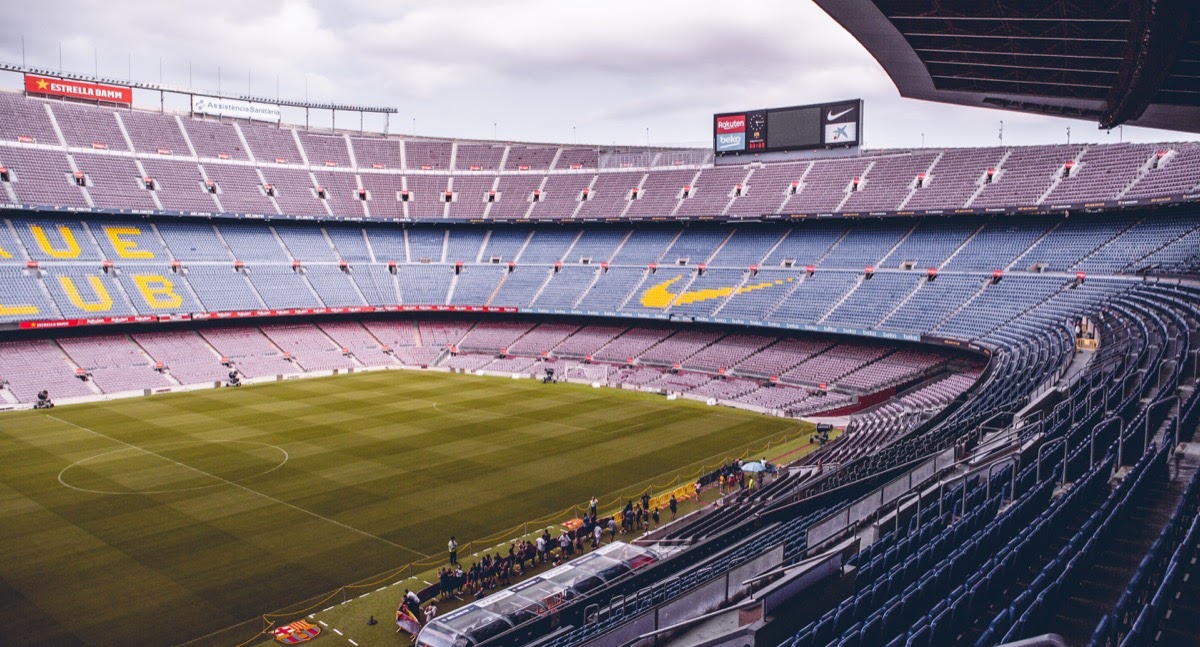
(754, 467)
(750, 469)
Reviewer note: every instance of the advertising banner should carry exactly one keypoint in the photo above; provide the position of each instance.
(841, 123)
(730, 132)
(78, 89)
(235, 108)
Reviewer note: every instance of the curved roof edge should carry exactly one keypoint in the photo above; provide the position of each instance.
(864, 20)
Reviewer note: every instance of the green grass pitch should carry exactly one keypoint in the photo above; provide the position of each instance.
(158, 520)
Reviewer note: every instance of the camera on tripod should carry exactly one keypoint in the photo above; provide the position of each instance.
(43, 400)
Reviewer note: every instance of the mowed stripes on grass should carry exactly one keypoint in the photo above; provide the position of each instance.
(157, 520)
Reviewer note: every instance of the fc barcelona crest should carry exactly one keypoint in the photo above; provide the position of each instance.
(297, 632)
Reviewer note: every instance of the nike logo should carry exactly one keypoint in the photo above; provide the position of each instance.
(660, 295)
(833, 116)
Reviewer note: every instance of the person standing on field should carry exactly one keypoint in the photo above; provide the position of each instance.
(453, 546)
(674, 507)
(592, 508)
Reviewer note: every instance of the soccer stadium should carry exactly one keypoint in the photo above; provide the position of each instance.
(784, 389)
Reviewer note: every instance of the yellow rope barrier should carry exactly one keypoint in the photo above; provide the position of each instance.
(259, 636)
(380, 578)
(292, 612)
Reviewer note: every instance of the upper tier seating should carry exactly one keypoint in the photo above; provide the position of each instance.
(572, 181)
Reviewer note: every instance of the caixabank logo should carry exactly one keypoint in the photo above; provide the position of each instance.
(841, 123)
(731, 133)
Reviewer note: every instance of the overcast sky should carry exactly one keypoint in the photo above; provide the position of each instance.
(533, 70)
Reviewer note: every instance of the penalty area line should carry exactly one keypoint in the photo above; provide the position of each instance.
(240, 486)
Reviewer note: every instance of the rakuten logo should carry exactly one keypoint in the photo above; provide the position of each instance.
(734, 124)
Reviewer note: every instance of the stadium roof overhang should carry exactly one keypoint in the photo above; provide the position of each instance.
(1114, 62)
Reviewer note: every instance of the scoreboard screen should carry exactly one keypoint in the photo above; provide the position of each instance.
(826, 125)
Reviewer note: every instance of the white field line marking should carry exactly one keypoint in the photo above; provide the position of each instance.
(323, 622)
(324, 610)
(66, 469)
(338, 631)
(352, 642)
(241, 487)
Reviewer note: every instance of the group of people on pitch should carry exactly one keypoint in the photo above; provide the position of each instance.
(640, 516)
(497, 570)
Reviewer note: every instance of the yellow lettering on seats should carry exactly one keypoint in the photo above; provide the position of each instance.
(13, 311)
(72, 250)
(158, 291)
(103, 301)
(4, 254)
(127, 248)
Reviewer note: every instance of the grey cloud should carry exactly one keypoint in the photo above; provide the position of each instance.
(525, 69)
